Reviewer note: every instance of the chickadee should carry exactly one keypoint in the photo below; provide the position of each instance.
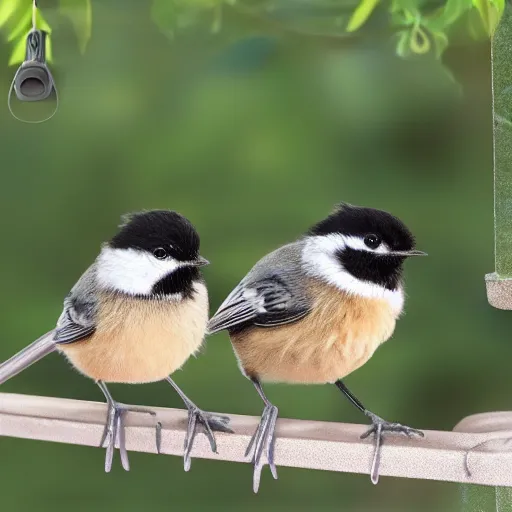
(315, 310)
(135, 316)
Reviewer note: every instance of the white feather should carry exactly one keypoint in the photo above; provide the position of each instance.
(131, 271)
(319, 259)
(257, 301)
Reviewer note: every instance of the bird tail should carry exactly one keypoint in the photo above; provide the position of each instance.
(28, 356)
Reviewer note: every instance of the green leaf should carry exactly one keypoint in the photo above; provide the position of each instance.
(41, 23)
(402, 18)
(22, 26)
(19, 36)
(419, 41)
(482, 6)
(7, 9)
(490, 13)
(395, 6)
(361, 14)
(79, 13)
(494, 19)
(18, 52)
(475, 27)
(164, 15)
(409, 8)
(440, 42)
(447, 15)
(172, 15)
(402, 48)
(500, 5)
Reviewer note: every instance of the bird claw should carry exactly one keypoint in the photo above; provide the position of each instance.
(263, 440)
(395, 428)
(378, 429)
(209, 423)
(114, 431)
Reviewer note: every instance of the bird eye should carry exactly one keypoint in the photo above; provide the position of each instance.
(372, 241)
(160, 253)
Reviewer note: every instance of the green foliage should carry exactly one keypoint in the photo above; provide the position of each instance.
(170, 16)
(19, 35)
(422, 31)
(420, 28)
(16, 23)
(79, 13)
(361, 14)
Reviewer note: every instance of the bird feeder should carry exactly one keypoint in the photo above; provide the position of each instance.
(499, 283)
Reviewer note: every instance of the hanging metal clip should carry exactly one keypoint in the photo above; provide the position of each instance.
(33, 80)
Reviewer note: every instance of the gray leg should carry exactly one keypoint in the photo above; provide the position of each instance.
(263, 439)
(114, 429)
(378, 429)
(207, 421)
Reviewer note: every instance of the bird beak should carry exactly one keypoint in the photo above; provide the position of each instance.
(200, 262)
(406, 254)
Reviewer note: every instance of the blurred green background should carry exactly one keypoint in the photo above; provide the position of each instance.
(254, 139)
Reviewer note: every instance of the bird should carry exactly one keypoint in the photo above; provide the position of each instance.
(315, 310)
(135, 316)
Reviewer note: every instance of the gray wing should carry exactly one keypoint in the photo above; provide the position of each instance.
(78, 318)
(273, 293)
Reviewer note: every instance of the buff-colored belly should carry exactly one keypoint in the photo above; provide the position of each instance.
(141, 341)
(339, 336)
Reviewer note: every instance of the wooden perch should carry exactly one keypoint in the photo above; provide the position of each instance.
(304, 444)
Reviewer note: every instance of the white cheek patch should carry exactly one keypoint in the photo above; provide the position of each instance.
(319, 259)
(131, 271)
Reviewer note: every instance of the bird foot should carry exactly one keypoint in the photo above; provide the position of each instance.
(114, 433)
(378, 429)
(262, 444)
(209, 423)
